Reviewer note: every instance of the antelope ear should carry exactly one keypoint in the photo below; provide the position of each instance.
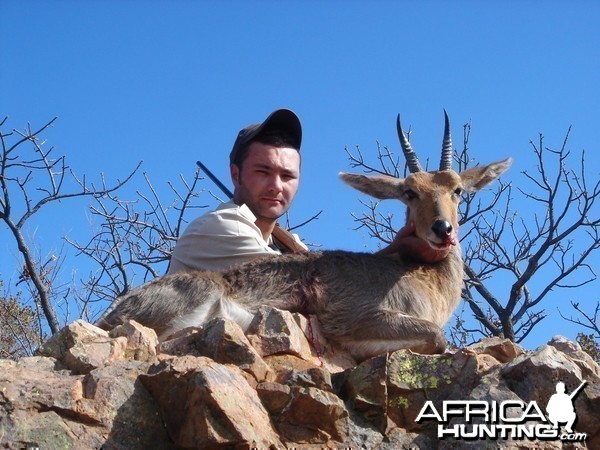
(378, 186)
(478, 177)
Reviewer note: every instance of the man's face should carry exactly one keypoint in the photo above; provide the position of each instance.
(268, 180)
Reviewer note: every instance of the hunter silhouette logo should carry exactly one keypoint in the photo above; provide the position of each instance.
(509, 419)
(560, 407)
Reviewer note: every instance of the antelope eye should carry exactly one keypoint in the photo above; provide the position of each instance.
(410, 195)
(458, 192)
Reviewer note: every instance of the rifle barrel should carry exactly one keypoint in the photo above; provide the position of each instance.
(215, 180)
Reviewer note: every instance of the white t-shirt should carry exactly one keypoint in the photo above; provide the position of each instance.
(219, 239)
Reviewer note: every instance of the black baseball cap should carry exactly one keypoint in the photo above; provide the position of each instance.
(281, 119)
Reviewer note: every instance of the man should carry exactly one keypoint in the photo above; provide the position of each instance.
(265, 170)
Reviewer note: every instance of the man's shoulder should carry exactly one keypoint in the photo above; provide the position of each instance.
(219, 218)
(233, 210)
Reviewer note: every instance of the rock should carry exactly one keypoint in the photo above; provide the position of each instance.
(413, 379)
(274, 332)
(115, 395)
(306, 395)
(209, 387)
(313, 416)
(285, 365)
(275, 396)
(535, 375)
(43, 405)
(83, 347)
(181, 343)
(317, 377)
(400, 438)
(207, 405)
(366, 387)
(523, 374)
(361, 433)
(48, 430)
(141, 341)
(38, 387)
(503, 350)
(223, 341)
(573, 350)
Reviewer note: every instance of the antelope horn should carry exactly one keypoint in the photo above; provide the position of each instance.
(409, 154)
(446, 161)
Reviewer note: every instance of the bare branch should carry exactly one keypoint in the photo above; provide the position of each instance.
(591, 320)
(17, 168)
(547, 244)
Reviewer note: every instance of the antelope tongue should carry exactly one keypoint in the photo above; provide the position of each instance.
(448, 242)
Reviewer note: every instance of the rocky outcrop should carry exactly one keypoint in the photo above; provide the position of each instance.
(214, 387)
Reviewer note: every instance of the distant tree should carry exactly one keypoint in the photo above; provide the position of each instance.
(134, 239)
(590, 342)
(31, 179)
(536, 252)
(136, 236)
(20, 332)
(530, 252)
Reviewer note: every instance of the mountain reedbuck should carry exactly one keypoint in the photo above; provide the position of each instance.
(367, 303)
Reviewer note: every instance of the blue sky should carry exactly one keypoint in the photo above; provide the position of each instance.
(173, 82)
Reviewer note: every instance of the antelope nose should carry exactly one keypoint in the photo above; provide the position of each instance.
(442, 228)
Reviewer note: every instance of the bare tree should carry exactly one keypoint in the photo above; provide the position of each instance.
(589, 321)
(558, 237)
(132, 243)
(586, 319)
(536, 253)
(31, 179)
(135, 238)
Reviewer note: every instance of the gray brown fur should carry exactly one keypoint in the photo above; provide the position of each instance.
(365, 302)
(355, 296)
